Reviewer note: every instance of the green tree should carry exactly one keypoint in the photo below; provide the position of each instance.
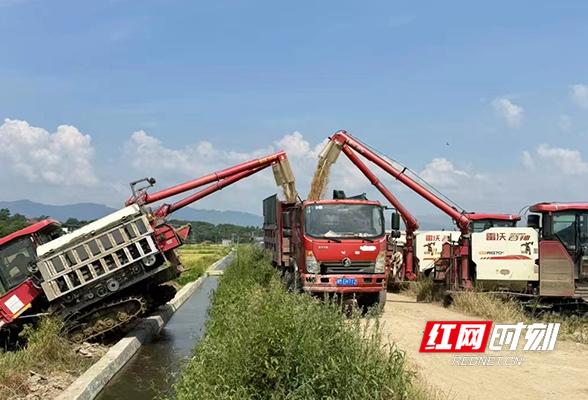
(11, 223)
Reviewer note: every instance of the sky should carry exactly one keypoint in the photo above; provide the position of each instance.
(486, 102)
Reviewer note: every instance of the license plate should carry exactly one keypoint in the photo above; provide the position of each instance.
(346, 281)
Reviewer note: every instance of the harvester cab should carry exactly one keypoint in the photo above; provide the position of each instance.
(563, 247)
(482, 222)
(18, 252)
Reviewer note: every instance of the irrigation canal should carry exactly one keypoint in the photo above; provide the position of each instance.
(157, 365)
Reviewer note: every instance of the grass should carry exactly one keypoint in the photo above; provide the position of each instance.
(424, 290)
(263, 342)
(197, 259)
(46, 353)
(503, 309)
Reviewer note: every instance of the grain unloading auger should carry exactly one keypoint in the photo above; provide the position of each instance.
(456, 261)
(330, 155)
(104, 275)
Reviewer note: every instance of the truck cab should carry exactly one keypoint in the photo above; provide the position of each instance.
(563, 248)
(334, 246)
(18, 254)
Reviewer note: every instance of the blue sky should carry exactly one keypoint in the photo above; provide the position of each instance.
(494, 80)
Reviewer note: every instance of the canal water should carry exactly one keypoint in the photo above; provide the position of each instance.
(157, 365)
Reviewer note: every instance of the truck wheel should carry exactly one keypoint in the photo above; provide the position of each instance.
(374, 300)
(293, 282)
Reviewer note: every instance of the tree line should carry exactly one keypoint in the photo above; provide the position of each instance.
(200, 232)
(207, 232)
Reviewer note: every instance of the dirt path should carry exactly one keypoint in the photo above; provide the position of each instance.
(557, 374)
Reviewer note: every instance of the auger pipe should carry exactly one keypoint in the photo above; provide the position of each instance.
(167, 209)
(342, 138)
(410, 222)
(146, 198)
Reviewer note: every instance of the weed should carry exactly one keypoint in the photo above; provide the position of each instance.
(47, 352)
(263, 342)
(503, 309)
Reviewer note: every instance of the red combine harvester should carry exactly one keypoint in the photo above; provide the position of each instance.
(333, 246)
(563, 249)
(17, 251)
(111, 271)
(455, 266)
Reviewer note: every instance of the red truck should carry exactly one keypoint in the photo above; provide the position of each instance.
(336, 246)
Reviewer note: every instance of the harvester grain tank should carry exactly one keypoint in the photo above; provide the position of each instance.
(104, 275)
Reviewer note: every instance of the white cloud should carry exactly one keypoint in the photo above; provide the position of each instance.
(565, 123)
(579, 94)
(569, 162)
(442, 173)
(555, 161)
(61, 158)
(528, 162)
(512, 113)
(57, 168)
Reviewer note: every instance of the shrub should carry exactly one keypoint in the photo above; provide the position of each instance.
(263, 342)
(46, 352)
(503, 309)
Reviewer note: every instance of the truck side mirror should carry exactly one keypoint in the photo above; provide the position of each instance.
(533, 221)
(287, 220)
(395, 221)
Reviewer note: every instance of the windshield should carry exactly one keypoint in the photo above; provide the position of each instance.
(14, 259)
(343, 221)
(483, 224)
(571, 229)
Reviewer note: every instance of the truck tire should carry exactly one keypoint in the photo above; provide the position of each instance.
(374, 300)
(292, 280)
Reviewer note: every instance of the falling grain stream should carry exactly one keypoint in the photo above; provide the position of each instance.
(157, 365)
(320, 181)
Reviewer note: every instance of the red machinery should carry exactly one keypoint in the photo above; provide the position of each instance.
(333, 246)
(409, 221)
(563, 248)
(343, 141)
(67, 273)
(165, 234)
(17, 292)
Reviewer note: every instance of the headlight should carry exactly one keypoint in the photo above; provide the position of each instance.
(380, 263)
(312, 265)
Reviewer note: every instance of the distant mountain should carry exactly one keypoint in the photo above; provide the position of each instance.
(81, 211)
(219, 217)
(89, 211)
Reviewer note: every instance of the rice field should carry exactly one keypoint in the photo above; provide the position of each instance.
(197, 258)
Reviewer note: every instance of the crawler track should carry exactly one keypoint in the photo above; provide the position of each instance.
(105, 318)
